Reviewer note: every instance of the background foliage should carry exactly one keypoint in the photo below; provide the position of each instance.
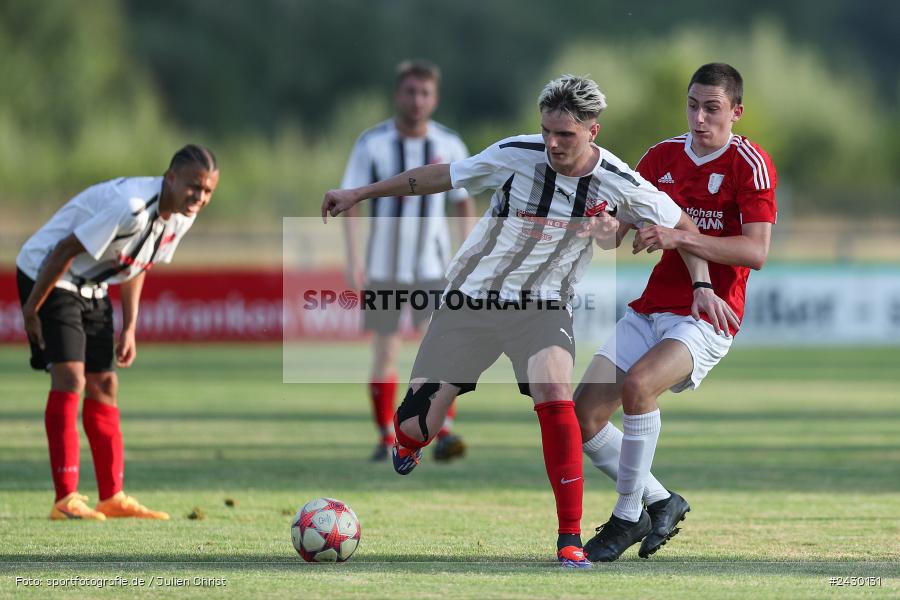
(280, 89)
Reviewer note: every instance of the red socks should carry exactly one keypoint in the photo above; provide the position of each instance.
(101, 423)
(383, 394)
(561, 439)
(61, 423)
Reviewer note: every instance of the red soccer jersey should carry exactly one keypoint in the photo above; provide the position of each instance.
(719, 191)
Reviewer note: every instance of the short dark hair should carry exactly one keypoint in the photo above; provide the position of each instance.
(420, 68)
(721, 75)
(193, 154)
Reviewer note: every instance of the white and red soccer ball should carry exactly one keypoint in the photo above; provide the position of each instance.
(325, 530)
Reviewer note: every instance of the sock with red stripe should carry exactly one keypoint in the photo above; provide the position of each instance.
(561, 439)
(447, 427)
(383, 395)
(101, 423)
(61, 424)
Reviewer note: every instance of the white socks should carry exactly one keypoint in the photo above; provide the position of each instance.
(638, 447)
(604, 448)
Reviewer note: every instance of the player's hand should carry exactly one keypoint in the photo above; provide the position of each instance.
(33, 328)
(719, 312)
(655, 237)
(602, 228)
(126, 349)
(336, 202)
(355, 275)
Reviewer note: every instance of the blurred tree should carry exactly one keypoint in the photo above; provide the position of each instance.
(63, 61)
(281, 88)
(272, 61)
(76, 104)
(824, 128)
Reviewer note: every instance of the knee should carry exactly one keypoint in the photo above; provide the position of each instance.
(103, 387)
(636, 392)
(68, 379)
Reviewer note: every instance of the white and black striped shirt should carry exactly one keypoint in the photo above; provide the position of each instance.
(526, 243)
(118, 224)
(409, 240)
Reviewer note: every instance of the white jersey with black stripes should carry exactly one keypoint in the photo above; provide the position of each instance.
(409, 240)
(526, 243)
(118, 224)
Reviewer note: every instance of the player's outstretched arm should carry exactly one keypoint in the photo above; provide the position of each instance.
(750, 249)
(421, 181)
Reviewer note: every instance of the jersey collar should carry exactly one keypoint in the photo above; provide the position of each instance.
(702, 160)
(428, 129)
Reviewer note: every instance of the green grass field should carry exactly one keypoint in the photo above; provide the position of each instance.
(789, 457)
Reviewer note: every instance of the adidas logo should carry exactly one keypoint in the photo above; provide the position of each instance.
(667, 178)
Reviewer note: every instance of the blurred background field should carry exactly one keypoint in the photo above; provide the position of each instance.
(280, 90)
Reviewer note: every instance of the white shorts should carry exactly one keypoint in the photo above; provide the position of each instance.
(636, 333)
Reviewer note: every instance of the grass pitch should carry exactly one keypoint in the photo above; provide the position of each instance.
(790, 459)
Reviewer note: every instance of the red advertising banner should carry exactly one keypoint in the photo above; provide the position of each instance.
(224, 306)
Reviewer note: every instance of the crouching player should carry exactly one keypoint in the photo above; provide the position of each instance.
(110, 233)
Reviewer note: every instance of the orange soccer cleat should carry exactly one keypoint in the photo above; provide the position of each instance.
(121, 506)
(73, 507)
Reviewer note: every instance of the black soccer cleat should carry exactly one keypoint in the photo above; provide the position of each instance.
(664, 518)
(449, 447)
(615, 537)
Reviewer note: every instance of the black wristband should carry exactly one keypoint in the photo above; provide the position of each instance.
(702, 284)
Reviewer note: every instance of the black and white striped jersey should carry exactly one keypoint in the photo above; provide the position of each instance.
(526, 243)
(409, 240)
(118, 224)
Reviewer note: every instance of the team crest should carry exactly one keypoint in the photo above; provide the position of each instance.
(595, 206)
(715, 182)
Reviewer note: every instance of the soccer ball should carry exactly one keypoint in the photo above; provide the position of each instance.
(325, 530)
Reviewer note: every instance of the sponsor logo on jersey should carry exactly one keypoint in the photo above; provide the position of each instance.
(595, 206)
(548, 221)
(715, 182)
(568, 195)
(667, 178)
(706, 219)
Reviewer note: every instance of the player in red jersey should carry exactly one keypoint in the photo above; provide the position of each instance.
(726, 183)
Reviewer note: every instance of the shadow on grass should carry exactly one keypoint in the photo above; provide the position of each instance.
(278, 467)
